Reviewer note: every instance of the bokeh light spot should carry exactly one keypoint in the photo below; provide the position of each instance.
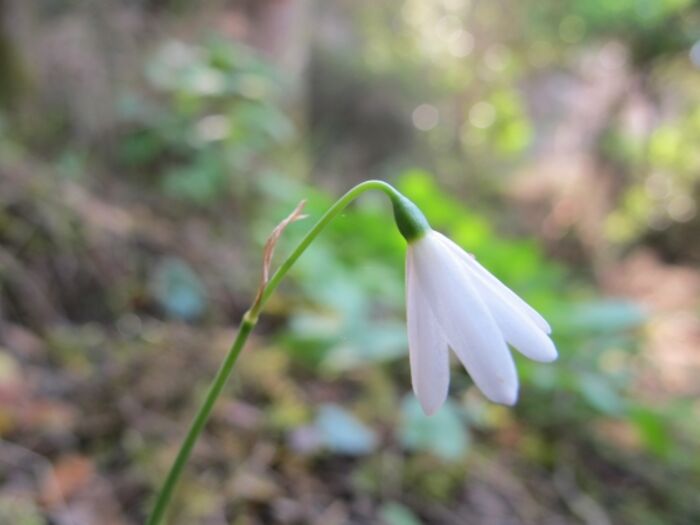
(461, 44)
(425, 117)
(482, 115)
(681, 208)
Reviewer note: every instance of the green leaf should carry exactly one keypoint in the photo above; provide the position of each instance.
(602, 317)
(370, 343)
(653, 430)
(600, 395)
(343, 433)
(393, 513)
(443, 434)
(178, 290)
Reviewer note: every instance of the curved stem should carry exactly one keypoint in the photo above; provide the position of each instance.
(198, 423)
(332, 212)
(248, 323)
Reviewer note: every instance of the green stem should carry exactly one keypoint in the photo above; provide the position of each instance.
(248, 323)
(327, 217)
(198, 423)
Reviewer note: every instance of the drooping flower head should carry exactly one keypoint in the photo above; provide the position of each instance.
(454, 302)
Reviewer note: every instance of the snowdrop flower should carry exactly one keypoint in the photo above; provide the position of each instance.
(454, 302)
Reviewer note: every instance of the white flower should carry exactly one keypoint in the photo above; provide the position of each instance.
(453, 301)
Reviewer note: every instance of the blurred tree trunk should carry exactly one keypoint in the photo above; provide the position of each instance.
(10, 68)
(70, 62)
(281, 32)
(12, 74)
(74, 59)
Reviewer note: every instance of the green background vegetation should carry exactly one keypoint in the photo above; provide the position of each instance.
(148, 149)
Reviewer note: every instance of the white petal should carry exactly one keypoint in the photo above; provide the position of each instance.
(487, 278)
(518, 330)
(429, 356)
(466, 323)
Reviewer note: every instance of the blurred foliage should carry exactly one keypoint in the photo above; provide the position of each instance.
(664, 187)
(214, 118)
(652, 28)
(351, 300)
(342, 433)
(178, 290)
(19, 511)
(468, 78)
(114, 282)
(444, 434)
